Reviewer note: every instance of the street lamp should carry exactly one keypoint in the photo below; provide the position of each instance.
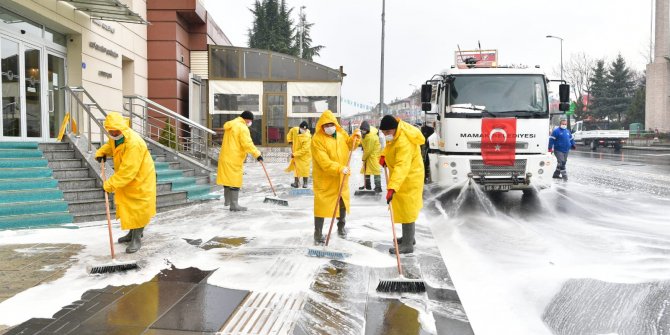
(559, 38)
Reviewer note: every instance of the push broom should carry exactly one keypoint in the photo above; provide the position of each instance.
(114, 266)
(275, 199)
(321, 252)
(400, 284)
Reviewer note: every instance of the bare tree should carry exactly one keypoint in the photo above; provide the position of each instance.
(577, 72)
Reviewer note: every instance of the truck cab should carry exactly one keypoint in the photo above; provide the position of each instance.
(491, 128)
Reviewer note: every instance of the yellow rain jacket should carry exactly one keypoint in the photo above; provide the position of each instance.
(236, 144)
(134, 179)
(371, 152)
(330, 155)
(302, 153)
(403, 158)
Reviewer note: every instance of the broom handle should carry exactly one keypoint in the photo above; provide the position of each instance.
(339, 191)
(269, 181)
(109, 219)
(395, 240)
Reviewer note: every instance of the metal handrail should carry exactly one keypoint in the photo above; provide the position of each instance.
(74, 116)
(190, 138)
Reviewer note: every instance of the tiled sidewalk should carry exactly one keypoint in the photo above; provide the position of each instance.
(176, 301)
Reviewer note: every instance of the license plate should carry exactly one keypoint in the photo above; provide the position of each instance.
(497, 187)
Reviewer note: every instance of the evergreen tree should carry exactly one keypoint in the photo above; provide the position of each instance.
(308, 51)
(598, 104)
(272, 28)
(635, 112)
(621, 86)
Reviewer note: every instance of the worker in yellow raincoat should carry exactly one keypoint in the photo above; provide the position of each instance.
(301, 154)
(402, 155)
(236, 145)
(331, 146)
(134, 179)
(371, 152)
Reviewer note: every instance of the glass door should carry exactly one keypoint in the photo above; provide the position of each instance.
(55, 96)
(32, 90)
(11, 91)
(274, 119)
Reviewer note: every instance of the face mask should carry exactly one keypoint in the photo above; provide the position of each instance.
(364, 133)
(249, 124)
(330, 130)
(301, 130)
(116, 138)
(388, 138)
(564, 126)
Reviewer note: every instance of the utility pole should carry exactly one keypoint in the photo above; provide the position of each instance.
(381, 80)
(302, 29)
(560, 39)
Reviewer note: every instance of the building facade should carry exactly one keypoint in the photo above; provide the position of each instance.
(48, 44)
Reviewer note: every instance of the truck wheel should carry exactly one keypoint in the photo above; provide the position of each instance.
(529, 191)
(593, 145)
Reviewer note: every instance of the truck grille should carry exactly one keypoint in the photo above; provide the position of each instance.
(478, 145)
(478, 168)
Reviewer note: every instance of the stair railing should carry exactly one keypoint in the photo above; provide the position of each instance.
(81, 111)
(153, 120)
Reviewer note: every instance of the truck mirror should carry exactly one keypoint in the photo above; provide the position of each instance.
(564, 106)
(426, 93)
(564, 93)
(426, 106)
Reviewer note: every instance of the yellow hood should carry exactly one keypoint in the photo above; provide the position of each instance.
(413, 133)
(326, 117)
(115, 121)
(228, 125)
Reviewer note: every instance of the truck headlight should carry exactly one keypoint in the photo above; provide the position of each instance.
(453, 164)
(540, 171)
(541, 163)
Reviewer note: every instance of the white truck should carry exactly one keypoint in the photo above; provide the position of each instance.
(596, 134)
(485, 112)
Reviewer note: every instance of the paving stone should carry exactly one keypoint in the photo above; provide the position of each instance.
(205, 309)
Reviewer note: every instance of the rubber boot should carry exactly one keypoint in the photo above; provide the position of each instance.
(226, 196)
(407, 235)
(234, 197)
(378, 184)
(304, 182)
(557, 174)
(296, 183)
(135, 241)
(565, 175)
(400, 241)
(341, 221)
(318, 231)
(128, 237)
(367, 185)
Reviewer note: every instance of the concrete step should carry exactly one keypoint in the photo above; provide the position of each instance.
(171, 197)
(76, 183)
(65, 163)
(23, 162)
(202, 180)
(166, 175)
(69, 173)
(53, 146)
(24, 208)
(195, 190)
(27, 183)
(17, 173)
(35, 220)
(43, 194)
(159, 158)
(163, 187)
(20, 153)
(59, 154)
(84, 194)
(89, 205)
(179, 181)
(166, 165)
(101, 215)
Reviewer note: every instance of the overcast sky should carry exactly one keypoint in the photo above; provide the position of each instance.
(422, 35)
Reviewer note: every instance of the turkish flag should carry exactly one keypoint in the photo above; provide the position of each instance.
(499, 141)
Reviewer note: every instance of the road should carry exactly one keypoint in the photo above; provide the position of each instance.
(587, 256)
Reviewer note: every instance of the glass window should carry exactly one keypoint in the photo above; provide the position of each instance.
(236, 102)
(270, 87)
(20, 23)
(218, 120)
(256, 65)
(225, 63)
(54, 36)
(314, 104)
(512, 94)
(284, 68)
(313, 72)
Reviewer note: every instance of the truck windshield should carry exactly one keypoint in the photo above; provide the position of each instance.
(509, 95)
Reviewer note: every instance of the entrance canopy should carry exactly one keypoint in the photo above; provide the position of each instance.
(110, 10)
